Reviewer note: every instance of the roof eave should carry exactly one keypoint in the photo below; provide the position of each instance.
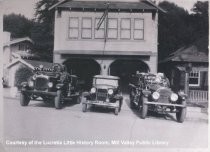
(156, 6)
(55, 5)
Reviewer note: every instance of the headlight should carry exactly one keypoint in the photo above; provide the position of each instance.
(93, 90)
(50, 84)
(31, 83)
(41, 66)
(174, 97)
(110, 91)
(155, 95)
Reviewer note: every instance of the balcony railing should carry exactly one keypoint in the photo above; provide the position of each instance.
(198, 96)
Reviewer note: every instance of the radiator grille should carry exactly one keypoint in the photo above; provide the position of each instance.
(164, 95)
(101, 94)
(41, 83)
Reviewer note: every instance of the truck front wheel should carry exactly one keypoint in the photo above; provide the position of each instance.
(181, 114)
(24, 99)
(57, 100)
(144, 108)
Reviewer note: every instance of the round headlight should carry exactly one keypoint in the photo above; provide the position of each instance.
(155, 95)
(93, 90)
(50, 84)
(110, 91)
(174, 97)
(41, 66)
(31, 83)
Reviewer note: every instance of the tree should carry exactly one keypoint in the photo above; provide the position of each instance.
(178, 28)
(201, 8)
(200, 19)
(174, 30)
(18, 25)
(42, 32)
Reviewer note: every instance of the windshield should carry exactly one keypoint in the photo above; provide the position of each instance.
(111, 82)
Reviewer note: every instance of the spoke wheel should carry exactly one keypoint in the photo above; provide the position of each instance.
(181, 114)
(144, 108)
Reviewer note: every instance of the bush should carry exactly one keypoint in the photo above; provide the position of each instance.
(22, 75)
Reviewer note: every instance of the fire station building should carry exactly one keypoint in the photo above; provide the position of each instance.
(111, 38)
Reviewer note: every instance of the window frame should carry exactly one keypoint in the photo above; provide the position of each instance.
(134, 29)
(198, 77)
(84, 28)
(125, 29)
(112, 29)
(69, 28)
(95, 28)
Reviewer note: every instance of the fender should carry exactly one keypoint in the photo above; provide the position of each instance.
(24, 84)
(85, 94)
(118, 97)
(131, 85)
(59, 86)
(182, 95)
(146, 93)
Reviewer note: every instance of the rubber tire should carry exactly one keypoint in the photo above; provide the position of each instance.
(117, 109)
(144, 108)
(84, 107)
(57, 100)
(132, 105)
(180, 116)
(24, 99)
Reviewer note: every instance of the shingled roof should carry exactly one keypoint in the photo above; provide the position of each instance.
(196, 52)
(144, 5)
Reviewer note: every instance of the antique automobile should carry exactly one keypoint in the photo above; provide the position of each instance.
(105, 92)
(152, 92)
(53, 85)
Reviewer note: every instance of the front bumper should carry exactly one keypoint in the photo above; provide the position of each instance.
(164, 104)
(38, 93)
(101, 103)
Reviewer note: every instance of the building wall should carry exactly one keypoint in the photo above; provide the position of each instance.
(63, 44)
(6, 54)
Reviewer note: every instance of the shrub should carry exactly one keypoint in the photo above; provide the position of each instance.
(22, 75)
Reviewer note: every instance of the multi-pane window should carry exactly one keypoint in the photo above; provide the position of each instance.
(73, 27)
(112, 28)
(86, 28)
(138, 31)
(125, 29)
(99, 33)
(194, 78)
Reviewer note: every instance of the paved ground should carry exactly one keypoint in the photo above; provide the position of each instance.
(100, 128)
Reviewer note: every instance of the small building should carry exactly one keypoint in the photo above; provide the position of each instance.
(106, 37)
(14, 50)
(14, 46)
(14, 66)
(174, 67)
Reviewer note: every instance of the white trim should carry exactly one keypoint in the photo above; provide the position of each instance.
(22, 61)
(199, 77)
(55, 5)
(18, 40)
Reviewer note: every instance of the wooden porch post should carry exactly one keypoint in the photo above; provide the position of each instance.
(188, 68)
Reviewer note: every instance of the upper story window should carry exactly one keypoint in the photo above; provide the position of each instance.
(112, 28)
(86, 28)
(138, 31)
(125, 28)
(74, 27)
(194, 78)
(99, 33)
